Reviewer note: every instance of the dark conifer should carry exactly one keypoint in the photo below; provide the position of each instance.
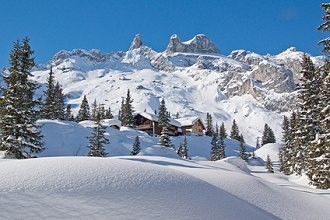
(83, 113)
(163, 119)
(183, 148)
(234, 134)
(20, 133)
(97, 140)
(269, 165)
(209, 125)
(136, 146)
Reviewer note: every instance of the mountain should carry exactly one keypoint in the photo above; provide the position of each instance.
(192, 76)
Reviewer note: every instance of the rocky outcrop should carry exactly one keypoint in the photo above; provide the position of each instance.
(199, 44)
(136, 43)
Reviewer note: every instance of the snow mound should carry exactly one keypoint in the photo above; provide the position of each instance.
(113, 188)
(237, 162)
(157, 150)
(269, 149)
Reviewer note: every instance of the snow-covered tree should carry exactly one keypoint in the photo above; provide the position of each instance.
(234, 134)
(163, 119)
(223, 132)
(269, 165)
(84, 112)
(127, 111)
(325, 27)
(209, 125)
(97, 140)
(108, 114)
(183, 148)
(136, 146)
(20, 134)
(164, 139)
(58, 107)
(285, 155)
(68, 113)
(215, 148)
(268, 135)
(242, 151)
(93, 110)
(47, 109)
(222, 147)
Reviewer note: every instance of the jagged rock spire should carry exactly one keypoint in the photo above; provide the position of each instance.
(136, 43)
(199, 44)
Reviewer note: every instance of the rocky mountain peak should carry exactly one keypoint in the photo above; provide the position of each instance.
(136, 43)
(199, 44)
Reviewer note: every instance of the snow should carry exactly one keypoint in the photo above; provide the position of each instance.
(188, 121)
(156, 184)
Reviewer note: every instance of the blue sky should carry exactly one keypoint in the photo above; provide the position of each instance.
(262, 26)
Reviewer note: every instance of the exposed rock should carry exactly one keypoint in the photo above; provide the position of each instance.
(136, 43)
(199, 44)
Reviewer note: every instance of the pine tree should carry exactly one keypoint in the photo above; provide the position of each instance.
(268, 135)
(223, 132)
(97, 140)
(47, 111)
(164, 139)
(20, 133)
(136, 146)
(242, 151)
(83, 113)
(93, 110)
(318, 151)
(325, 27)
(183, 148)
(127, 118)
(269, 165)
(108, 114)
(222, 147)
(285, 155)
(234, 134)
(58, 107)
(209, 125)
(258, 143)
(241, 138)
(215, 147)
(163, 119)
(68, 113)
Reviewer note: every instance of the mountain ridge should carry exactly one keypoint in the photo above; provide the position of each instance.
(239, 86)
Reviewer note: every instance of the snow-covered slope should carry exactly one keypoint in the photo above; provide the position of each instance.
(145, 187)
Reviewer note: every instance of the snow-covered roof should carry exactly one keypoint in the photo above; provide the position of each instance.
(188, 121)
(153, 117)
(112, 122)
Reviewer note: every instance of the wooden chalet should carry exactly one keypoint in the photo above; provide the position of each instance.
(149, 123)
(191, 126)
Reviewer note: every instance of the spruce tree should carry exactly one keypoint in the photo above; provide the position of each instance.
(242, 151)
(20, 133)
(183, 148)
(234, 134)
(268, 135)
(68, 113)
(58, 107)
(222, 147)
(223, 132)
(83, 113)
(127, 118)
(269, 165)
(47, 111)
(285, 155)
(215, 148)
(97, 140)
(108, 114)
(325, 27)
(94, 110)
(136, 146)
(164, 139)
(163, 119)
(209, 125)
